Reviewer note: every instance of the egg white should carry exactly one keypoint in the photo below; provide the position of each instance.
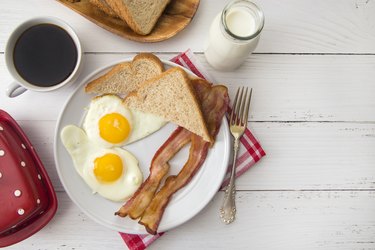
(83, 154)
(142, 124)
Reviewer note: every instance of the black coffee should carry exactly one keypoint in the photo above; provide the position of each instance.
(45, 55)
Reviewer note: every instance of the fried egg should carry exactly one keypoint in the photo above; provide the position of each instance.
(109, 123)
(112, 173)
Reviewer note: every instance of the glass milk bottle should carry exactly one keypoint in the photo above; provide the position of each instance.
(234, 34)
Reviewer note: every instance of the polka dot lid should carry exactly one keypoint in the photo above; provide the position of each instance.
(28, 201)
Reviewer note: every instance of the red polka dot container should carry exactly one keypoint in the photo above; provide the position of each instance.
(27, 198)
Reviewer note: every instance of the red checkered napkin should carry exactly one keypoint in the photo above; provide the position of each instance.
(250, 152)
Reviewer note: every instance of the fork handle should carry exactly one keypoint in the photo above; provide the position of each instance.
(228, 208)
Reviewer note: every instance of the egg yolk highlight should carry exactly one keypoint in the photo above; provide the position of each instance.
(108, 168)
(114, 128)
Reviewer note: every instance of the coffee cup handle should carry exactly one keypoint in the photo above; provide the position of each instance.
(14, 89)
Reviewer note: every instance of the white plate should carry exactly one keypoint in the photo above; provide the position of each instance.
(185, 204)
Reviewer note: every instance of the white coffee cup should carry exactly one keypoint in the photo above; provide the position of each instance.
(20, 85)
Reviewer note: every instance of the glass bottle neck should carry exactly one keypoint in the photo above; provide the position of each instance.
(241, 20)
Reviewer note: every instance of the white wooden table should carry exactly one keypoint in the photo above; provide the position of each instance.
(313, 110)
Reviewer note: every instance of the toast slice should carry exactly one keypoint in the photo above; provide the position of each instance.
(140, 15)
(172, 97)
(103, 6)
(128, 76)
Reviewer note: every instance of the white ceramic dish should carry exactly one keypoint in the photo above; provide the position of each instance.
(185, 204)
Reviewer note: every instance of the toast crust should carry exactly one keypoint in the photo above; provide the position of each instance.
(103, 6)
(101, 85)
(176, 102)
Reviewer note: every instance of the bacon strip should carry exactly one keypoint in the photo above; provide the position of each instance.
(144, 202)
(214, 103)
(154, 212)
(158, 169)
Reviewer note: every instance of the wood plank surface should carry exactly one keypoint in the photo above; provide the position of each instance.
(292, 26)
(266, 220)
(300, 156)
(286, 87)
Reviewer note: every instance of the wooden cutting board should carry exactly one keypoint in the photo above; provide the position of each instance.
(175, 18)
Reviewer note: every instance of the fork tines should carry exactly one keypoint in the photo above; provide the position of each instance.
(238, 115)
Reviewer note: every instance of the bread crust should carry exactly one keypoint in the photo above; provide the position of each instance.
(103, 6)
(135, 100)
(93, 86)
(149, 56)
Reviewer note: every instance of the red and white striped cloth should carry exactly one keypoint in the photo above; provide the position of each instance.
(250, 152)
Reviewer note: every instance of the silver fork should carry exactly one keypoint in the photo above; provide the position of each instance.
(237, 126)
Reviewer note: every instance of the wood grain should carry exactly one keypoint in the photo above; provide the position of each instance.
(286, 87)
(308, 220)
(313, 111)
(291, 26)
(300, 156)
(175, 18)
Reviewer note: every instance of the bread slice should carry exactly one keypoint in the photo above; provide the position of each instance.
(103, 6)
(140, 15)
(128, 76)
(172, 97)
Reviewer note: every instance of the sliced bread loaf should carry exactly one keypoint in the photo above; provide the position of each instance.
(127, 77)
(172, 97)
(103, 6)
(140, 15)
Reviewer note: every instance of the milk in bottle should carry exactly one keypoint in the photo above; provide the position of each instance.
(234, 34)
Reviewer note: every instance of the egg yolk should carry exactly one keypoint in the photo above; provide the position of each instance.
(114, 128)
(108, 168)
